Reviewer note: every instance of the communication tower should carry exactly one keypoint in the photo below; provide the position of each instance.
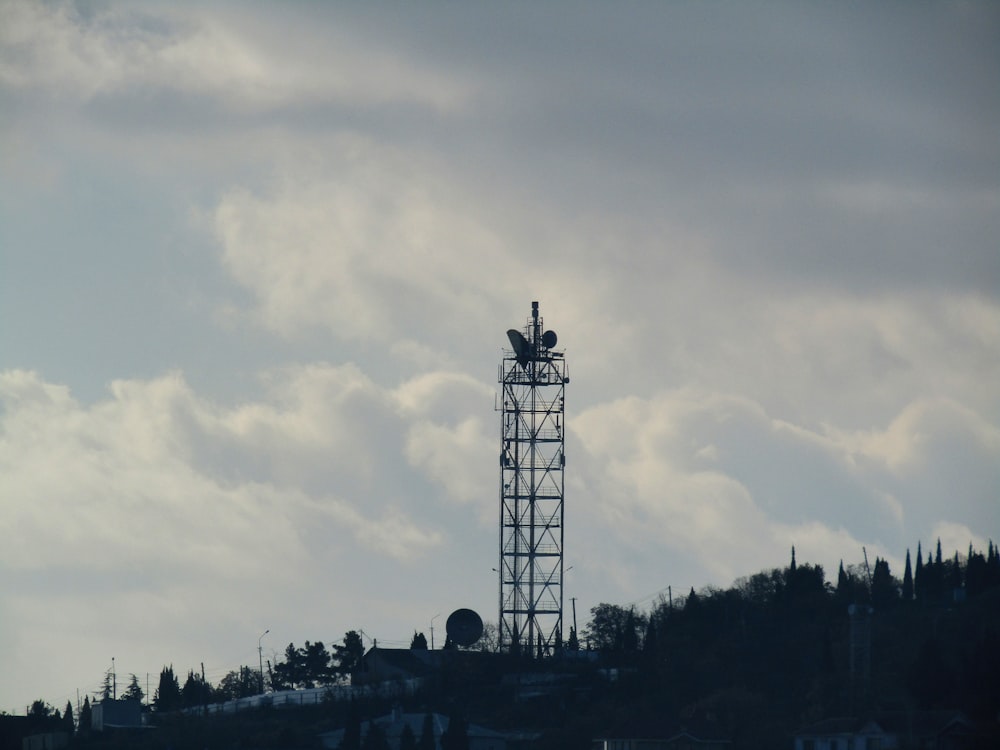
(533, 377)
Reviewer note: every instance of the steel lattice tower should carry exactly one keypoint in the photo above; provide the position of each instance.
(532, 461)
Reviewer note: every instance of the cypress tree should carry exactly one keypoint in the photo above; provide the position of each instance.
(85, 715)
(918, 577)
(168, 694)
(843, 593)
(907, 580)
(573, 644)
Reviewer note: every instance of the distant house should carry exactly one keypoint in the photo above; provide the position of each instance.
(390, 664)
(393, 725)
(115, 714)
(386, 665)
(899, 730)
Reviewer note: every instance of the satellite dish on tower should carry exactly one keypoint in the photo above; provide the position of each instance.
(522, 349)
(549, 339)
(464, 627)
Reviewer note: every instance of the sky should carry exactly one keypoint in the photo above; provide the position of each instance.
(258, 261)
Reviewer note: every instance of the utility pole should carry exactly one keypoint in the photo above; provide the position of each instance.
(114, 681)
(573, 599)
(260, 659)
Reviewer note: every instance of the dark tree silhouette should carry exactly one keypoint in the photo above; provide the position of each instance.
(419, 641)
(456, 736)
(573, 644)
(375, 738)
(427, 738)
(85, 715)
(168, 692)
(287, 674)
(40, 710)
(133, 691)
(976, 577)
(315, 661)
(352, 729)
(407, 740)
(348, 655)
(107, 691)
(919, 581)
(883, 585)
(196, 691)
(907, 580)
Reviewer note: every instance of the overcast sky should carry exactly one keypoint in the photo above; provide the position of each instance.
(257, 262)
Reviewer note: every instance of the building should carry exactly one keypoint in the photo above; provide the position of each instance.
(114, 714)
(397, 664)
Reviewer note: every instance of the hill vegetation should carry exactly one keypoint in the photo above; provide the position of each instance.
(775, 651)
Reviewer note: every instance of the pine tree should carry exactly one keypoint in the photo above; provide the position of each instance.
(288, 674)
(67, 718)
(133, 691)
(315, 660)
(107, 686)
(907, 580)
(348, 657)
(419, 641)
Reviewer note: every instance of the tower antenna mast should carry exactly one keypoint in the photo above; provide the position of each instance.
(533, 378)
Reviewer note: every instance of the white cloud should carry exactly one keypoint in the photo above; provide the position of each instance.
(770, 484)
(374, 249)
(116, 49)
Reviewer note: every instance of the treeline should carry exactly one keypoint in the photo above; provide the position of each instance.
(937, 581)
(778, 649)
(312, 665)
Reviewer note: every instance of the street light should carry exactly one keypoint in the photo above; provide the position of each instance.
(432, 629)
(260, 657)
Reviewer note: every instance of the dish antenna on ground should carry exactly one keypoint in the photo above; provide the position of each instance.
(464, 627)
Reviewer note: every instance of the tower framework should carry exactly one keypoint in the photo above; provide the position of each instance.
(533, 377)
